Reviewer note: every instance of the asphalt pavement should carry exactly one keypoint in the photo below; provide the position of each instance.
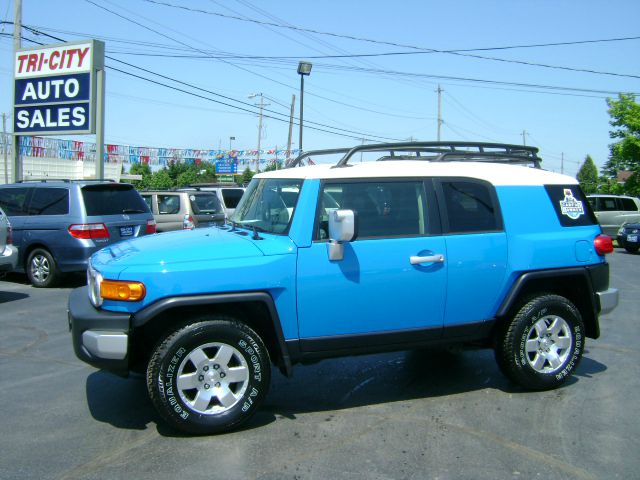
(405, 415)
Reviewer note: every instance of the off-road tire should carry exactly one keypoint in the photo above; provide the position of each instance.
(191, 373)
(543, 344)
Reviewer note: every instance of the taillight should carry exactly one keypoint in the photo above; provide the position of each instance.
(603, 244)
(187, 222)
(9, 235)
(151, 226)
(89, 231)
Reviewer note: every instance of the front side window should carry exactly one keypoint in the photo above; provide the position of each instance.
(470, 206)
(268, 205)
(383, 208)
(14, 201)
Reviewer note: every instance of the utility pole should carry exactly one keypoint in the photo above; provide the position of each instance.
(293, 103)
(5, 145)
(562, 162)
(524, 141)
(17, 44)
(262, 105)
(440, 90)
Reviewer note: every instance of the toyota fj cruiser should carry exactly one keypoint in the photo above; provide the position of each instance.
(435, 243)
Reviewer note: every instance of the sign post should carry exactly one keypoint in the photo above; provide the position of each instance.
(59, 90)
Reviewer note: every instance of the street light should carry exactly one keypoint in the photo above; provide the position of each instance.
(231, 138)
(304, 68)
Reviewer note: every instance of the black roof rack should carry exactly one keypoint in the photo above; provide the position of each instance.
(436, 152)
(66, 180)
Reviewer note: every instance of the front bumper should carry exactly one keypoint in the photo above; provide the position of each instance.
(100, 338)
(8, 258)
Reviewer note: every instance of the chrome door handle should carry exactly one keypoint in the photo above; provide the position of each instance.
(437, 258)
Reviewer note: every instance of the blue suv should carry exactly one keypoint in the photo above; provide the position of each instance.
(434, 243)
(58, 224)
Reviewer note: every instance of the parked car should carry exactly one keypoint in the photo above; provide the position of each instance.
(466, 248)
(8, 253)
(229, 196)
(629, 237)
(58, 224)
(184, 209)
(612, 211)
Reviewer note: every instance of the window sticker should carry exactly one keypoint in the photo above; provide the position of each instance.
(571, 207)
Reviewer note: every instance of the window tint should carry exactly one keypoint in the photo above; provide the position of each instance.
(205, 203)
(571, 206)
(629, 205)
(168, 204)
(384, 209)
(607, 204)
(49, 201)
(112, 199)
(232, 196)
(14, 200)
(147, 199)
(470, 207)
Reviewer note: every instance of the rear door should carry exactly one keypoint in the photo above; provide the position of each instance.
(206, 208)
(119, 206)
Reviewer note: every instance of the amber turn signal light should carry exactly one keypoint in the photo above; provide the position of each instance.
(122, 290)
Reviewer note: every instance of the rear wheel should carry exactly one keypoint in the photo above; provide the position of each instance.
(41, 269)
(210, 376)
(543, 344)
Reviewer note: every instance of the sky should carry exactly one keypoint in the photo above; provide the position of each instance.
(376, 70)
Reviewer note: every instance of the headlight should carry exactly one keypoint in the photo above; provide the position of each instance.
(94, 280)
(621, 231)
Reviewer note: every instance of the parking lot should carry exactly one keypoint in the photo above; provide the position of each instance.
(406, 415)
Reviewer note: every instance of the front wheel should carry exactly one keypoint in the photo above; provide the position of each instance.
(209, 376)
(632, 249)
(543, 344)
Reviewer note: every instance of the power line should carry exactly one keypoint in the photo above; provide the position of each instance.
(459, 52)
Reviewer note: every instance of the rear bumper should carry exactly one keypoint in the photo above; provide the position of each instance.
(608, 300)
(100, 338)
(8, 258)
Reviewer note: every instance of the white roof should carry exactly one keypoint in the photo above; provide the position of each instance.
(495, 173)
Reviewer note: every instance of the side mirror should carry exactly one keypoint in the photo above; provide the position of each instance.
(342, 228)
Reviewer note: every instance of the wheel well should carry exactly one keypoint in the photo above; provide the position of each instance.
(31, 248)
(575, 288)
(254, 314)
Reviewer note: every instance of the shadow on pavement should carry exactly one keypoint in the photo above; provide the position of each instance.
(329, 385)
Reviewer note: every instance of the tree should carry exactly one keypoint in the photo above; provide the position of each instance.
(624, 154)
(588, 175)
(161, 180)
(144, 170)
(247, 175)
(274, 165)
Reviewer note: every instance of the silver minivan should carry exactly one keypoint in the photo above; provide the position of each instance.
(183, 209)
(613, 211)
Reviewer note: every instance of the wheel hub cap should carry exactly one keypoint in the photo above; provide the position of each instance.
(549, 344)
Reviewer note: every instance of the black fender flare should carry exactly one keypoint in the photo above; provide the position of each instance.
(150, 312)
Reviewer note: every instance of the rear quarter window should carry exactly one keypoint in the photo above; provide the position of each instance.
(112, 199)
(571, 205)
(232, 196)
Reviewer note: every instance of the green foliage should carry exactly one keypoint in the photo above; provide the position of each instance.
(247, 175)
(610, 185)
(186, 178)
(275, 165)
(625, 120)
(161, 180)
(588, 176)
(144, 170)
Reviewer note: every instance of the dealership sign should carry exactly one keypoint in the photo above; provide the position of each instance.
(55, 88)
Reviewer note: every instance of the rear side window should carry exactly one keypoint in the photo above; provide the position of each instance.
(470, 206)
(572, 207)
(205, 204)
(628, 205)
(112, 199)
(168, 204)
(232, 196)
(14, 201)
(49, 201)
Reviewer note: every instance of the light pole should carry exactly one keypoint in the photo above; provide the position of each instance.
(304, 68)
(231, 138)
(254, 95)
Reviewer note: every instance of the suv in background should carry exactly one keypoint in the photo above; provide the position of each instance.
(444, 243)
(613, 211)
(183, 209)
(8, 253)
(229, 196)
(58, 224)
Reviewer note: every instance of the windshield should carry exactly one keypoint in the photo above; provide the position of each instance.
(268, 205)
